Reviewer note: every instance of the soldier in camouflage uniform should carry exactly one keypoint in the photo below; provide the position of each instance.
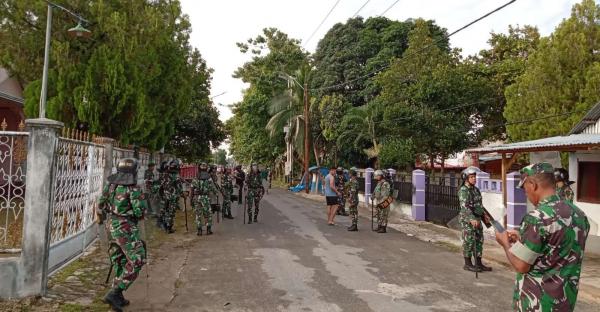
(352, 188)
(202, 188)
(227, 188)
(470, 219)
(383, 199)
(563, 185)
(548, 250)
(151, 186)
(171, 189)
(340, 183)
(254, 193)
(123, 203)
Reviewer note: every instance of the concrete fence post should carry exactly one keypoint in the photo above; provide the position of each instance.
(482, 180)
(368, 181)
(516, 201)
(33, 271)
(418, 197)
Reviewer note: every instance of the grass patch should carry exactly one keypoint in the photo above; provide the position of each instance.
(62, 275)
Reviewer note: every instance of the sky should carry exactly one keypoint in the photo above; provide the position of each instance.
(218, 25)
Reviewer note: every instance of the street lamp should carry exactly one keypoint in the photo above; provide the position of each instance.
(78, 32)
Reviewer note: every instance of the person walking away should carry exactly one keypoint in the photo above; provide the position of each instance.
(331, 195)
(123, 203)
(254, 193)
(202, 187)
(240, 177)
(563, 185)
(383, 198)
(227, 188)
(352, 188)
(547, 251)
(471, 216)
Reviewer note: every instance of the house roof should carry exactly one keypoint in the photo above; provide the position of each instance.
(9, 97)
(558, 143)
(591, 117)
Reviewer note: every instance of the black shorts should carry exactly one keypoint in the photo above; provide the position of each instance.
(332, 200)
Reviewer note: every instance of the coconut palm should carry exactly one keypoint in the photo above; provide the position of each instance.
(359, 128)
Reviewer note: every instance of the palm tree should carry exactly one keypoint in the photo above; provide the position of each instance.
(359, 128)
(287, 109)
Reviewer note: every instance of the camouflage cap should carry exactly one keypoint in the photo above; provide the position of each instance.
(534, 169)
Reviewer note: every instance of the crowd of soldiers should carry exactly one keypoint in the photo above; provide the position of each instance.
(123, 205)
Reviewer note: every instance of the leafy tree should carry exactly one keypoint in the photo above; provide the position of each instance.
(398, 153)
(220, 157)
(131, 80)
(360, 128)
(434, 98)
(274, 54)
(562, 76)
(502, 63)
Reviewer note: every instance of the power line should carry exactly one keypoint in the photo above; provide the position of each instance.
(389, 8)
(321, 24)
(360, 9)
(435, 42)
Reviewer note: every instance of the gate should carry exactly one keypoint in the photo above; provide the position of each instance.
(441, 200)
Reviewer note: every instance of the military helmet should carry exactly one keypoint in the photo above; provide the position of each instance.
(353, 171)
(379, 173)
(562, 175)
(151, 163)
(174, 164)
(203, 166)
(339, 170)
(469, 171)
(164, 166)
(126, 172)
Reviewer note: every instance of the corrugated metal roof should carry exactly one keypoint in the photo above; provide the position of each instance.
(575, 141)
(590, 118)
(11, 98)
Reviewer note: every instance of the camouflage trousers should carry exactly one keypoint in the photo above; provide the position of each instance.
(226, 204)
(127, 253)
(382, 215)
(201, 205)
(341, 204)
(168, 207)
(472, 238)
(252, 198)
(354, 212)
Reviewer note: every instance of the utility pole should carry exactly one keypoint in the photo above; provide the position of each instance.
(306, 139)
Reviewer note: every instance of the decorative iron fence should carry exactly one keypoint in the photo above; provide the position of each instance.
(79, 167)
(13, 162)
(441, 201)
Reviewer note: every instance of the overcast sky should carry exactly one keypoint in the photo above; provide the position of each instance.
(218, 25)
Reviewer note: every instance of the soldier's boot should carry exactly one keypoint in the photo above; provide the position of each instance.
(124, 302)
(255, 218)
(208, 230)
(382, 229)
(113, 299)
(199, 233)
(170, 229)
(469, 265)
(481, 266)
(229, 216)
(353, 228)
(250, 218)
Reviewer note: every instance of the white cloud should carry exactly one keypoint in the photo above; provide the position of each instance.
(218, 25)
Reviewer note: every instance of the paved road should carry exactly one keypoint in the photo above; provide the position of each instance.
(293, 261)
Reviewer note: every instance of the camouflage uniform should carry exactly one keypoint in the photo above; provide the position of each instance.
(565, 192)
(202, 188)
(340, 182)
(552, 240)
(254, 194)
(125, 207)
(471, 208)
(227, 187)
(382, 194)
(171, 190)
(352, 187)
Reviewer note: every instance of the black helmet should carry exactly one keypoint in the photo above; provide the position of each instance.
(469, 171)
(562, 175)
(126, 172)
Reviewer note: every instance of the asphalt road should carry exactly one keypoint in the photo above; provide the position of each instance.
(293, 261)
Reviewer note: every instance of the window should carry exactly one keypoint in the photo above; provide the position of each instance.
(588, 182)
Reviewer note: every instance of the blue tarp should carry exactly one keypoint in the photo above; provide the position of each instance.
(300, 187)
